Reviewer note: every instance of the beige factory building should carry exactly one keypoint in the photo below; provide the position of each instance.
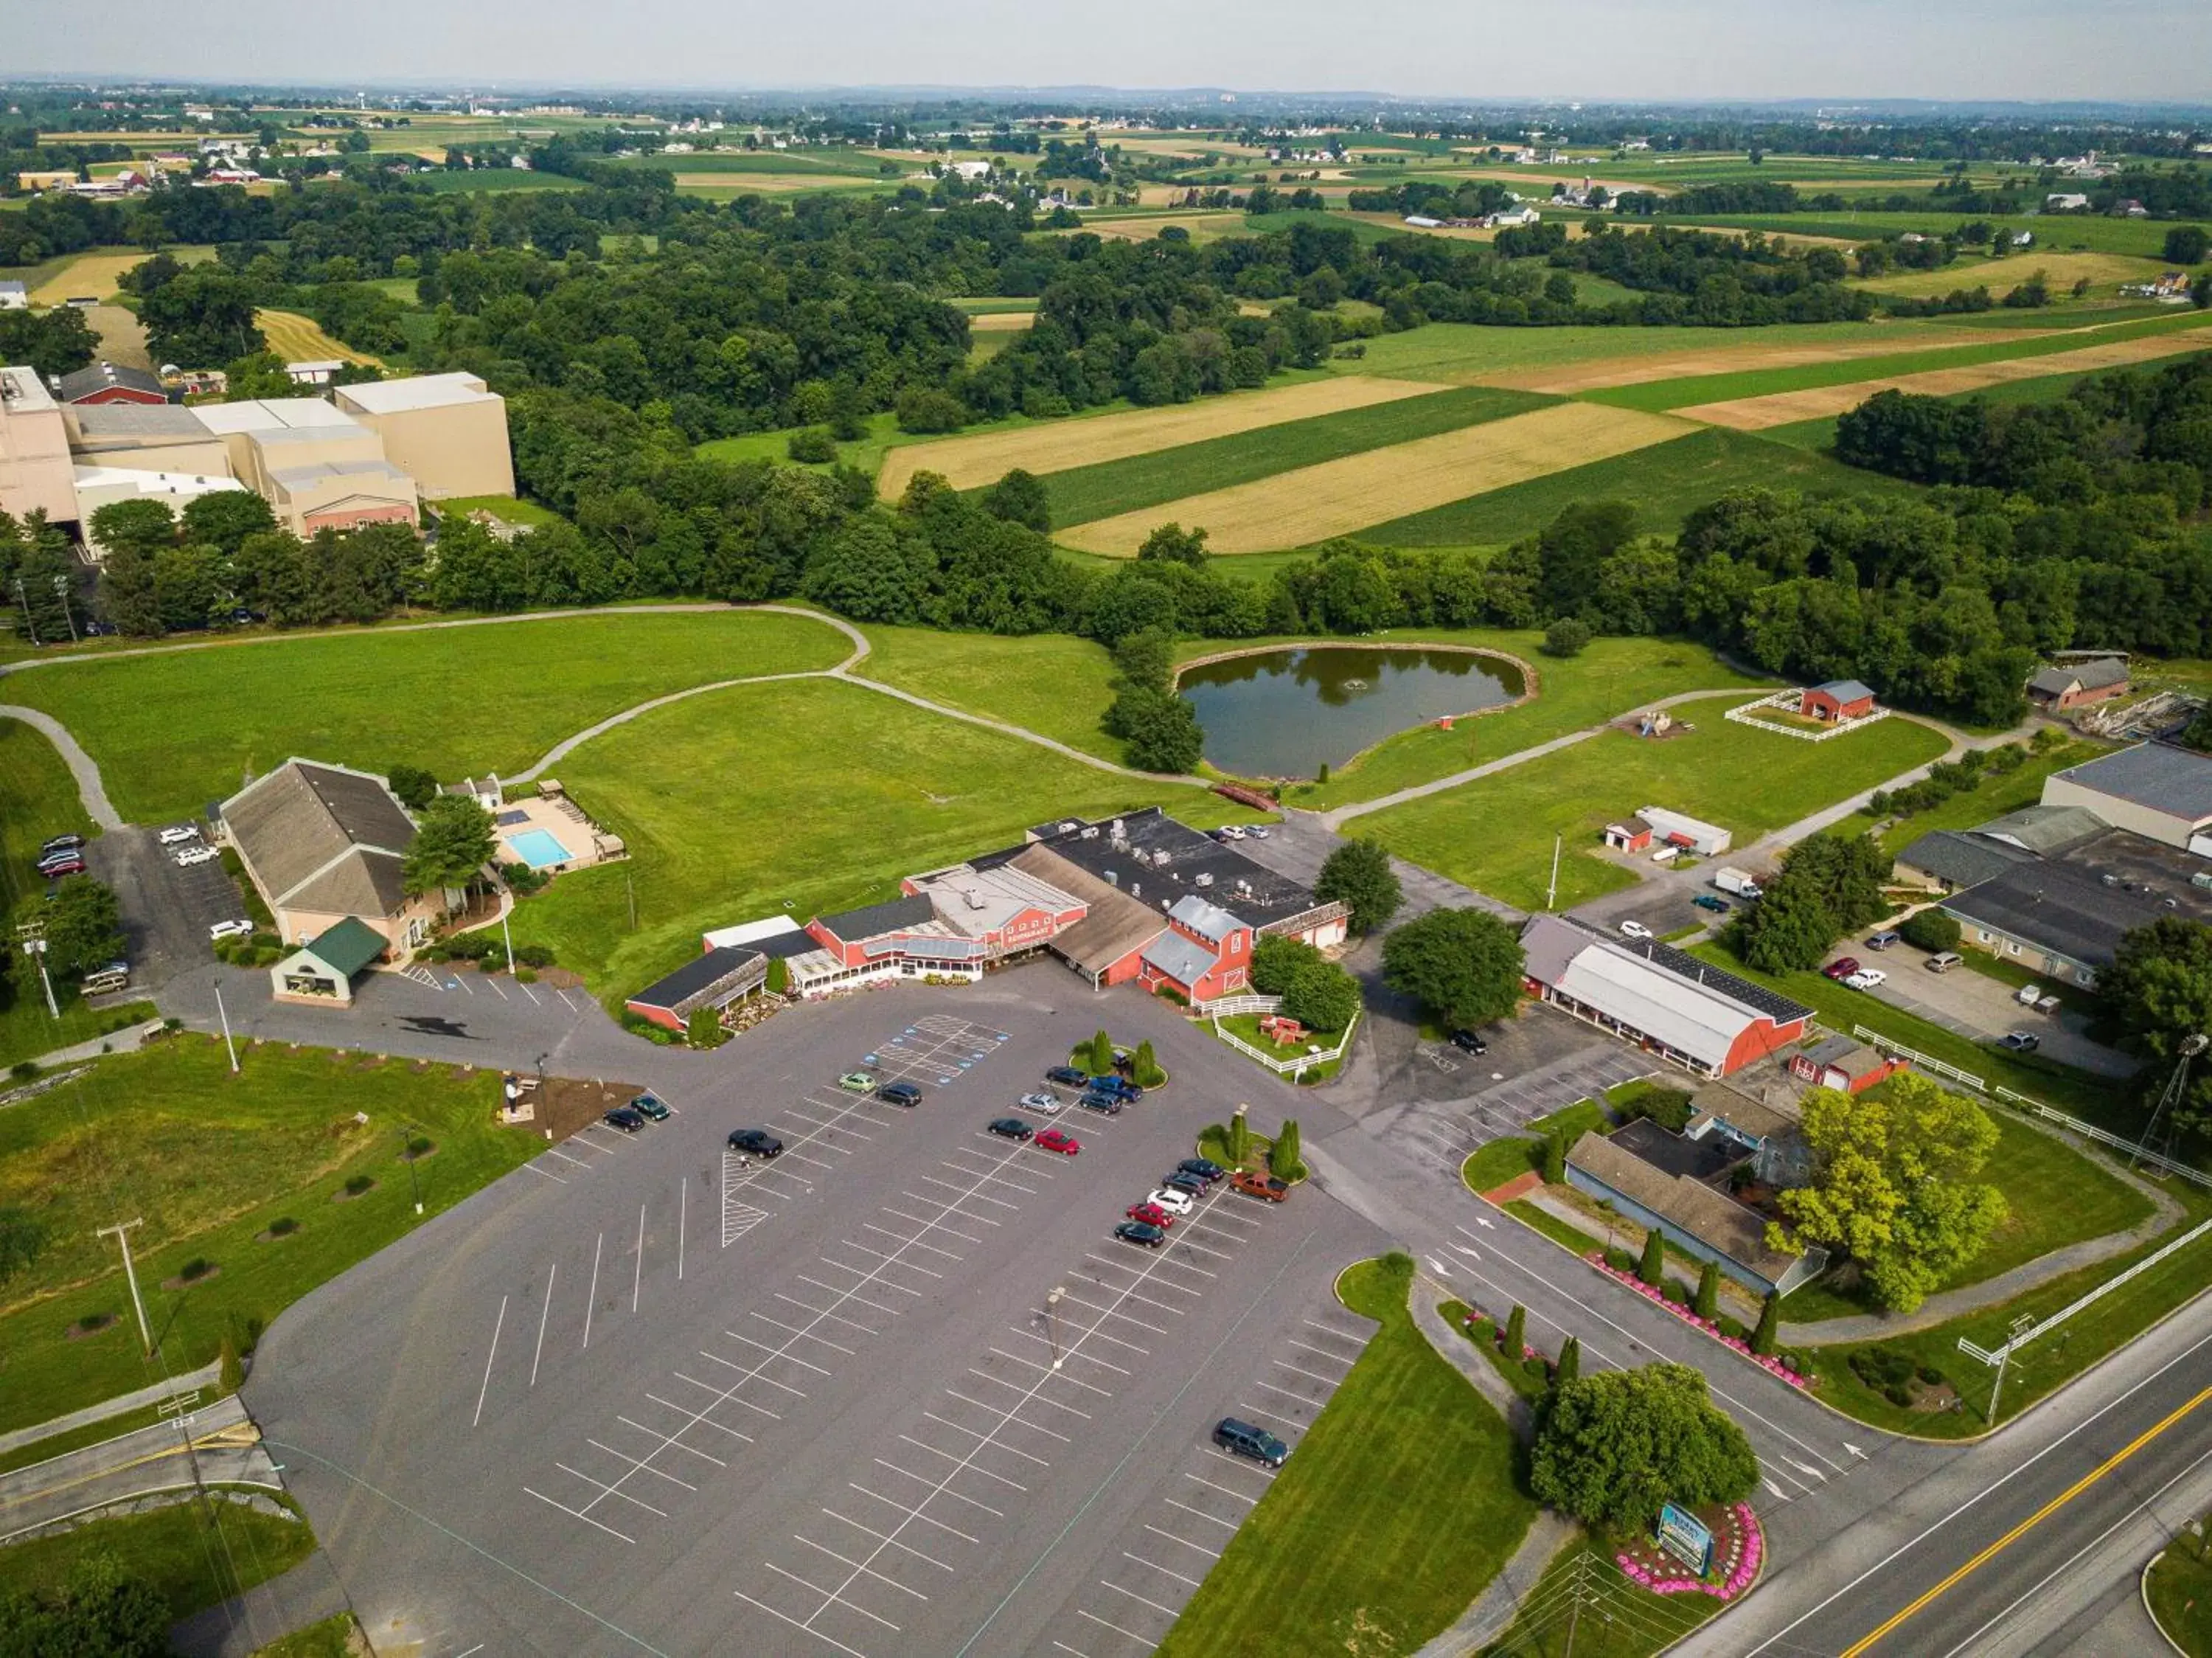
(448, 432)
(35, 473)
(143, 438)
(317, 468)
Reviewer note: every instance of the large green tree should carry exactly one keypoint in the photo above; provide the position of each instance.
(2159, 989)
(1611, 1449)
(1893, 1185)
(84, 927)
(1358, 876)
(101, 1611)
(1464, 966)
(452, 840)
(1322, 996)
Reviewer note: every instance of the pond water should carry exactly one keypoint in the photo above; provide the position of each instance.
(1285, 713)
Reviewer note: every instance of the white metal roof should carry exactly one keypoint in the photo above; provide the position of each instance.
(1687, 1016)
(978, 901)
(1209, 921)
(750, 932)
(270, 414)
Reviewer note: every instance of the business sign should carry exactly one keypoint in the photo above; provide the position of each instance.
(1686, 1537)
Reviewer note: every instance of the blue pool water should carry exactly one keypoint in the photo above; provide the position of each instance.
(539, 849)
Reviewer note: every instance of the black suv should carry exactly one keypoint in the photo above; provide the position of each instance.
(1468, 1042)
(1068, 1076)
(756, 1142)
(899, 1094)
(1201, 1168)
(1244, 1439)
(1104, 1104)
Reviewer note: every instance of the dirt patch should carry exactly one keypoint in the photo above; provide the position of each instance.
(122, 336)
(1310, 504)
(1055, 446)
(98, 1324)
(180, 1281)
(569, 1105)
(299, 339)
(1733, 360)
(1203, 227)
(990, 322)
(1751, 414)
(2062, 271)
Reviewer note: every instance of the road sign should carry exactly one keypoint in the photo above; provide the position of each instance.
(177, 1404)
(1686, 1537)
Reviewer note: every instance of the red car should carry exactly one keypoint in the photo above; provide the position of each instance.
(1052, 1140)
(1150, 1215)
(1842, 968)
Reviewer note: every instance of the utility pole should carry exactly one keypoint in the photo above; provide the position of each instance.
(61, 587)
(2191, 1045)
(1051, 1321)
(2021, 1326)
(30, 622)
(407, 1155)
(229, 1047)
(1551, 893)
(122, 1232)
(38, 946)
(506, 933)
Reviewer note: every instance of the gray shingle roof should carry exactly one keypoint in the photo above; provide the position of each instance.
(1846, 691)
(99, 376)
(1722, 1224)
(1115, 924)
(1959, 859)
(1183, 960)
(2165, 778)
(870, 920)
(708, 979)
(322, 837)
(2049, 829)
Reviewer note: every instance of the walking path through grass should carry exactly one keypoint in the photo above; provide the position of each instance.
(89, 787)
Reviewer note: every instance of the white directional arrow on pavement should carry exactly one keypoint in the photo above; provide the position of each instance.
(1855, 1450)
(1465, 1251)
(1775, 1491)
(1480, 1221)
(1439, 1266)
(1808, 1471)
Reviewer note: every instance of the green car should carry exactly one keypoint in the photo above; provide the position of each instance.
(857, 1082)
(651, 1106)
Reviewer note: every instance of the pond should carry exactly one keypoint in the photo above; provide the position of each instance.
(1286, 713)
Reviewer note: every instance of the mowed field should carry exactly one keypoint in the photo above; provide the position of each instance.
(1724, 356)
(1784, 408)
(1312, 503)
(1495, 834)
(1055, 446)
(2103, 271)
(175, 730)
(96, 275)
(299, 339)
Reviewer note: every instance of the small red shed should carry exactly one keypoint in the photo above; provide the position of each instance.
(1839, 699)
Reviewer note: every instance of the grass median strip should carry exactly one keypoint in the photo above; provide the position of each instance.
(1393, 1511)
(192, 1558)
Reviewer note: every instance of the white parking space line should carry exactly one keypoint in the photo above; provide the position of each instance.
(1032, 1364)
(1211, 1554)
(830, 1598)
(545, 1312)
(733, 1399)
(915, 1196)
(634, 1501)
(1284, 1364)
(718, 1359)
(680, 1409)
(776, 1352)
(887, 1260)
(1141, 1641)
(577, 1514)
(1247, 1501)
(1031, 1335)
(914, 1242)
(692, 1449)
(1326, 1356)
(1018, 1422)
(914, 1514)
(491, 1354)
(867, 1275)
(763, 1606)
(659, 1474)
(1073, 1300)
(831, 1289)
(1157, 1567)
(969, 1467)
(1239, 1464)
(867, 1570)
(797, 1334)
(824, 1313)
(977, 1433)
(1164, 1610)
(936, 1226)
(943, 1488)
(1228, 1525)
(884, 1537)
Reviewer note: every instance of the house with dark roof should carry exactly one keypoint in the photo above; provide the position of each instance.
(1949, 859)
(1107, 945)
(1702, 1223)
(109, 382)
(2064, 917)
(1670, 1004)
(324, 843)
(2157, 789)
(2054, 689)
(322, 971)
(715, 979)
(1839, 699)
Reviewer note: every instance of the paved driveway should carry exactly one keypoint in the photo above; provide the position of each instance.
(166, 909)
(1982, 1008)
(1443, 1132)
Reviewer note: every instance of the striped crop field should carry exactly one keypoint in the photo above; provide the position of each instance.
(1056, 446)
(1084, 493)
(1335, 497)
(1751, 414)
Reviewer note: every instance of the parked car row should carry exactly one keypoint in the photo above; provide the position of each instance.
(647, 1107)
(1151, 1218)
(62, 855)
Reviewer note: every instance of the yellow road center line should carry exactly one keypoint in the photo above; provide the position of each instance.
(2030, 1523)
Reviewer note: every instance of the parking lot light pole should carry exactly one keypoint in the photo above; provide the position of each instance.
(407, 1156)
(504, 933)
(229, 1047)
(1051, 1321)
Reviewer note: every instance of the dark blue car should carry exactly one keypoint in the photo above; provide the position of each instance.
(1119, 1086)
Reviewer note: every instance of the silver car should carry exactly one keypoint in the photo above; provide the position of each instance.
(1047, 1103)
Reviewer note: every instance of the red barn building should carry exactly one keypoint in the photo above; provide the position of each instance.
(1839, 1063)
(1671, 1005)
(109, 382)
(1204, 952)
(1839, 699)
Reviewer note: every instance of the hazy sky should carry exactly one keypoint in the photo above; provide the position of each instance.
(1655, 49)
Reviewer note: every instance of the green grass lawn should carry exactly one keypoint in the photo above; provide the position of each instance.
(1053, 684)
(192, 1558)
(333, 1637)
(1618, 1620)
(1991, 797)
(2048, 1364)
(2058, 1195)
(171, 732)
(1495, 834)
(1491, 1166)
(1664, 483)
(2179, 1588)
(1611, 676)
(1084, 493)
(2144, 238)
(1398, 1504)
(210, 1160)
(1839, 1007)
(506, 508)
(501, 181)
(813, 796)
(1758, 382)
(39, 799)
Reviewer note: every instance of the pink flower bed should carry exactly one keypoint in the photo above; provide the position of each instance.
(1746, 1547)
(1765, 1361)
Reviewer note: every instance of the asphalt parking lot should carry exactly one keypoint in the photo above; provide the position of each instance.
(645, 1396)
(166, 909)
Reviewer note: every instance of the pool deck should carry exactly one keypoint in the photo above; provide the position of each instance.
(557, 817)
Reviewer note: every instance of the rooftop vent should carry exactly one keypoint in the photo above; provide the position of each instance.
(1202, 881)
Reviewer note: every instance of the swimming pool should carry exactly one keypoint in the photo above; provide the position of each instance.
(539, 848)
